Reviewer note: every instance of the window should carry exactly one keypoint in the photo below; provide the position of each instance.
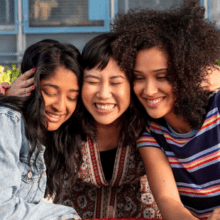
(125, 5)
(215, 11)
(67, 15)
(7, 16)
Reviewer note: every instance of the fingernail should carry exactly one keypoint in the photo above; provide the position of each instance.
(32, 87)
(29, 93)
(33, 69)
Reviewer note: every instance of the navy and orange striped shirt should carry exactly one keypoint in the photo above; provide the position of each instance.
(194, 158)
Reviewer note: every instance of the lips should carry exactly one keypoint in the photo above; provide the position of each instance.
(104, 108)
(154, 102)
(52, 117)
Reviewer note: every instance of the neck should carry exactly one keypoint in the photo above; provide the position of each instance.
(178, 124)
(108, 136)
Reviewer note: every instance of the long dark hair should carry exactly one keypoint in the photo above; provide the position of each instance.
(62, 145)
(96, 54)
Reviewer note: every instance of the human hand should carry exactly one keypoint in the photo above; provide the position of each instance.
(212, 79)
(22, 86)
(215, 215)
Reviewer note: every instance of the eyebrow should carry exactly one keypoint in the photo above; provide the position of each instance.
(112, 77)
(56, 87)
(162, 69)
(118, 76)
(92, 76)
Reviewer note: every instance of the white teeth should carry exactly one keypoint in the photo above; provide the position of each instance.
(154, 101)
(105, 107)
(53, 116)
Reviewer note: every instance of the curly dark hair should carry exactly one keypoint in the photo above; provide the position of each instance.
(62, 145)
(191, 43)
(96, 54)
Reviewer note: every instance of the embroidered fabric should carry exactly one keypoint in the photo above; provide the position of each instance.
(126, 195)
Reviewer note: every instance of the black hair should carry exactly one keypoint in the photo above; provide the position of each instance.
(62, 154)
(96, 54)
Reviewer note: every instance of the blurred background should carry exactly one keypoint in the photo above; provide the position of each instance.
(24, 22)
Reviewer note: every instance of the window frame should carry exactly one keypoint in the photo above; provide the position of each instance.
(59, 29)
(15, 31)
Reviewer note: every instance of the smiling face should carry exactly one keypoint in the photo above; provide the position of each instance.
(151, 85)
(60, 92)
(106, 93)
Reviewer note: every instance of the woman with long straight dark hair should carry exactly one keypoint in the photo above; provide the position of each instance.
(39, 134)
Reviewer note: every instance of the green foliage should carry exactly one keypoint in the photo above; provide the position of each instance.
(7, 75)
(218, 62)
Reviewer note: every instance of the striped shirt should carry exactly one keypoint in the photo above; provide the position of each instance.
(194, 158)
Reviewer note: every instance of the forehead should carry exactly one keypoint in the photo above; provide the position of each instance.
(62, 77)
(112, 69)
(152, 58)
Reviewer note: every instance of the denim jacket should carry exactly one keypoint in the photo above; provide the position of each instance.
(22, 187)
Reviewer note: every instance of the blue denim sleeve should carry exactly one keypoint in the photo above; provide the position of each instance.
(12, 206)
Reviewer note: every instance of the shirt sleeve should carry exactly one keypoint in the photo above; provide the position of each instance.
(3, 87)
(11, 206)
(147, 140)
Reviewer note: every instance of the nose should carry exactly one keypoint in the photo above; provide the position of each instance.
(60, 104)
(104, 91)
(150, 88)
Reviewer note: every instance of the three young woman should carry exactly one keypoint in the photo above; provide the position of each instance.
(172, 65)
(167, 53)
(46, 117)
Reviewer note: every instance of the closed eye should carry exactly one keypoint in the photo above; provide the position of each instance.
(49, 94)
(115, 83)
(92, 83)
(72, 99)
(138, 77)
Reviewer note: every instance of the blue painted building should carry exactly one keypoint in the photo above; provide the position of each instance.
(24, 22)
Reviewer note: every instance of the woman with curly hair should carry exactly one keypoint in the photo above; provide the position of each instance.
(28, 124)
(167, 53)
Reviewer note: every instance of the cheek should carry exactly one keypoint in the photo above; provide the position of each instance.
(125, 95)
(71, 107)
(86, 93)
(137, 89)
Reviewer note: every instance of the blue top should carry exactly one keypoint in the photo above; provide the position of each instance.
(194, 158)
(22, 187)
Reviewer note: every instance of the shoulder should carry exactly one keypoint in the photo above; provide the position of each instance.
(10, 113)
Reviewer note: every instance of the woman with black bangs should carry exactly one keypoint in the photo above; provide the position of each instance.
(168, 54)
(111, 181)
(28, 123)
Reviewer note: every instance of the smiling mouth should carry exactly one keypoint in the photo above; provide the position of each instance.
(104, 108)
(51, 117)
(154, 102)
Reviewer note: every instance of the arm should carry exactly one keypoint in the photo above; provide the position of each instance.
(11, 205)
(163, 185)
(21, 86)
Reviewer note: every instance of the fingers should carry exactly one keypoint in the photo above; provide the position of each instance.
(27, 83)
(26, 91)
(22, 86)
(27, 74)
